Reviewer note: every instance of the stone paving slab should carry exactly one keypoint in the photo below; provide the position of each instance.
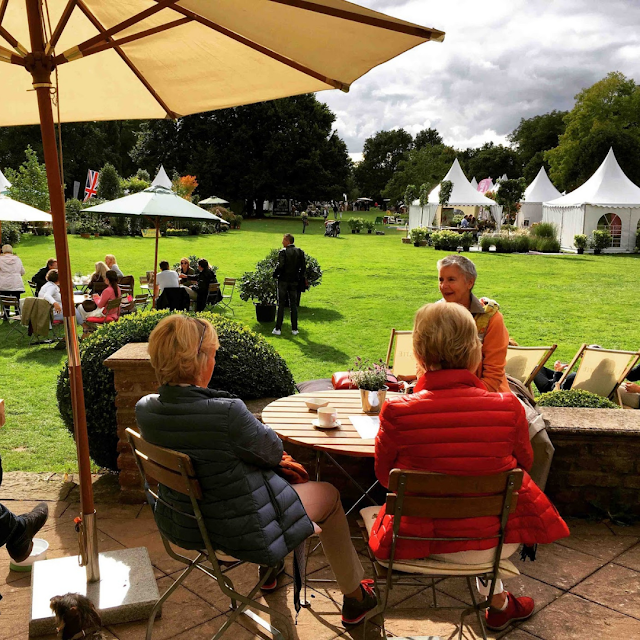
(591, 580)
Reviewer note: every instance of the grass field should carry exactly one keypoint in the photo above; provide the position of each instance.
(370, 284)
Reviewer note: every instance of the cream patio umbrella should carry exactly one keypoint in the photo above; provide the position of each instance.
(109, 60)
(14, 211)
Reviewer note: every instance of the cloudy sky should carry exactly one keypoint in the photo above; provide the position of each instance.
(501, 60)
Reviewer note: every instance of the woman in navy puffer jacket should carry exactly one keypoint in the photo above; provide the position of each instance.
(250, 512)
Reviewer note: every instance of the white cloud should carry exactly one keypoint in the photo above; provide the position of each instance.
(501, 60)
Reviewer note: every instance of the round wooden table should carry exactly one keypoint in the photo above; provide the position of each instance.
(291, 419)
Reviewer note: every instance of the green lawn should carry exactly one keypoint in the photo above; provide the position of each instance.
(370, 284)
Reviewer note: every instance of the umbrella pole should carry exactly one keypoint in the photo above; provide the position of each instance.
(40, 64)
(155, 264)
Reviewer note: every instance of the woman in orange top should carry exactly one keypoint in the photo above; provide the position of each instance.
(456, 277)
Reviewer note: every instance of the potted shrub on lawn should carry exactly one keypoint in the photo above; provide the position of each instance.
(354, 224)
(370, 378)
(580, 242)
(601, 239)
(368, 225)
(418, 235)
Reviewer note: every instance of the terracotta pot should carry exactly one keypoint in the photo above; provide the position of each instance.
(85, 235)
(372, 400)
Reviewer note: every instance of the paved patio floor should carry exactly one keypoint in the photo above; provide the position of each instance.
(587, 586)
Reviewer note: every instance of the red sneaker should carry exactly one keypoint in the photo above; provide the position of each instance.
(517, 609)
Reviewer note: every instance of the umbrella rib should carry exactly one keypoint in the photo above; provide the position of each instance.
(96, 23)
(373, 21)
(61, 59)
(125, 24)
(337, 84)
(62, 23)
(21, 51)
(6, 55)
(3, 8)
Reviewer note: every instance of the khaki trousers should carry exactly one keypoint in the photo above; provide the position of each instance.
(321, 501)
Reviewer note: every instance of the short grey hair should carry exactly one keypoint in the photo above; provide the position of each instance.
(464, 264)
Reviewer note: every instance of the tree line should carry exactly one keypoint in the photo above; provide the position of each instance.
(288, 148)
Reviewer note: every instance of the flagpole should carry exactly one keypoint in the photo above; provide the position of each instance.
(40, 65)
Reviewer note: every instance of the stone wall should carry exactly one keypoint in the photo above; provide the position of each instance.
(596, 467)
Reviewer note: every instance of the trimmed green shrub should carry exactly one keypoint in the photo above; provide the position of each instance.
(176, 232)
(417, 234)
(575, 398)
(544, 230)
(246, 365)
(601, 239)
(450, 240)
(580, 241)
(11, 233)
(546, 245)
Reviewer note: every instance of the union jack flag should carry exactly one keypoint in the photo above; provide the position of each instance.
(91, 188)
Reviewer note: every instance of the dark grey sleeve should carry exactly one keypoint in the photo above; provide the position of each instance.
(252, 441)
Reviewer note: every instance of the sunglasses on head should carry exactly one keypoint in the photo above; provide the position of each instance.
(204, 330)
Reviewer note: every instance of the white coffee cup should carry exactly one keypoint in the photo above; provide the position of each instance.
(327, 417)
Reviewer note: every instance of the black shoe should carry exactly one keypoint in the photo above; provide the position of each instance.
(354, 611)
(20, 548)
(272, 580)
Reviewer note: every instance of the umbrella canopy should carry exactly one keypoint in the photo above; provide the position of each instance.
(14, 211)
(213, 200)
(166, 58)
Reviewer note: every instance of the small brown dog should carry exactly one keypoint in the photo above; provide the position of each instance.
(76, 617)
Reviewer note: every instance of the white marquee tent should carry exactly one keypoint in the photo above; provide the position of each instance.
(608, 200)
(463, 197)
(4, 183)
(539, 191)
(474, 183)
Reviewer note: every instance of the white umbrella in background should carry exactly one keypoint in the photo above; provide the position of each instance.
(155, 203)
(212, 201)
(14, 211)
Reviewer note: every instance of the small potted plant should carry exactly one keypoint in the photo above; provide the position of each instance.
(354, 224)
(370, 377)
(368, 225)
(261, 287)
(418, 236)
(580, 242)
(601, 239)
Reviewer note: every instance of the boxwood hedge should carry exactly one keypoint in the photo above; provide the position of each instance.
(575, 398)
(246, 365)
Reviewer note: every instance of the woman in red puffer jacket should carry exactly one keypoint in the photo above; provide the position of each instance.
(451, 424)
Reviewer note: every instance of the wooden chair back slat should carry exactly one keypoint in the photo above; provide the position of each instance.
(213, 287)
(601, 370)
(449, 507)
(171, 479)
(229, 281)
(404, 362)
(438, 484)
(523, 363)
(113, 304)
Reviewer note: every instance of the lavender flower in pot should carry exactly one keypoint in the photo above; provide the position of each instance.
(370, 377)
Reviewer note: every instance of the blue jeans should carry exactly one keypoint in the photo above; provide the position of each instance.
(8, 521)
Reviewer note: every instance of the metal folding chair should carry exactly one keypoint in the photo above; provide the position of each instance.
(421, 494)
(141, 301)
(175, 471)
(524, 363)
(33, 286)
(10, 312)
(212, 297)
(401, 345)
(227, 297)
(601, 370)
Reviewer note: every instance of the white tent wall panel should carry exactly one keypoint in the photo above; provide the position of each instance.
(421, 216)
(531, 211)
(568, 220)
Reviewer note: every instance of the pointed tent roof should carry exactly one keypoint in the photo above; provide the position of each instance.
(4, 183)
(462, 193)
(162, 179)
(474, 183)
(541, 189)
(608, 186)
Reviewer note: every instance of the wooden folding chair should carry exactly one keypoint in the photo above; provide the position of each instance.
(10, 312)
(212, 297)
(524, 363)
(111, 305)
(601, 370)
(33, 286)
(404, 362)
(141, 301)
(227, 297)
(175, 471)
(421, 494)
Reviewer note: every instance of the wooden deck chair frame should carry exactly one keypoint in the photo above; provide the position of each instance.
(634, 356)
(393, 347)
(175, 470)
(227, 297)
(545, 354)
(434, 495)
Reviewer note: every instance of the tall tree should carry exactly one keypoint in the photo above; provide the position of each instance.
(29, 182)
(109, 187)
(381, 156)
(605, 115)
(491, 160)
(427, 165)
(427, 138)
(533, 136)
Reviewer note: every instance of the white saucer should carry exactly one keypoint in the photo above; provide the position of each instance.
(317, 424)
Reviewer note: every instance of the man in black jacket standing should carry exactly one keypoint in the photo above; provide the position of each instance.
(289, 272)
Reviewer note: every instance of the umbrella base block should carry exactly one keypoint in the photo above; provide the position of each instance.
(126, 592)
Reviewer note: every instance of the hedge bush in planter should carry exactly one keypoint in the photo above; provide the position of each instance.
(575, 398)
(246, 365)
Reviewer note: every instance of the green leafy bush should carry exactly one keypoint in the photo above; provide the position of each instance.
(260, 285)
(601, 239)
(369, 225)
(11, 233)
(246, 365)
(580, 241)
(575, 398)
(450, 240)
(544, 230)
(418, 234)
(176, 232)
(457, 219)
(546, 245)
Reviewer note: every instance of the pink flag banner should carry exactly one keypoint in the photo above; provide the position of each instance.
(485, 185)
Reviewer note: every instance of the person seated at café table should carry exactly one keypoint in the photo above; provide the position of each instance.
(98, 276)
(166, 278)
(186, 273)
(40, 278)
(250, 512)
(51, 293)
(110, 261)
(200, 291)
(452, 425)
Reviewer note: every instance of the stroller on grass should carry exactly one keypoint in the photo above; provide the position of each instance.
(332, 228)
